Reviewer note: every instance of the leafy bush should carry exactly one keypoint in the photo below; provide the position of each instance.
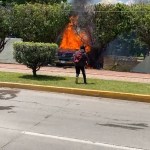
(38, 22)
(34, 55)
(141, 21)
(4, 2)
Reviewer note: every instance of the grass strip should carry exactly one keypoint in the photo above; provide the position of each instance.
(94, 84)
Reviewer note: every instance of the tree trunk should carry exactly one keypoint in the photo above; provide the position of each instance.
(34, 72)
(96, 57)
(2, 44)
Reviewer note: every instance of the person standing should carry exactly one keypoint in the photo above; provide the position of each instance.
(80, 61)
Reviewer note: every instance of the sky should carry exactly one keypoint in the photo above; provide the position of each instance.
(109, 1)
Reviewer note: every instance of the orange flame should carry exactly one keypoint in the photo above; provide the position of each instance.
(74, 37)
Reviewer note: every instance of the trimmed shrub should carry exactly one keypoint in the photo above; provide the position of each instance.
(34, 55)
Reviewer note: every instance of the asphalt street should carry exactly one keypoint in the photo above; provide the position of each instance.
(33, 120)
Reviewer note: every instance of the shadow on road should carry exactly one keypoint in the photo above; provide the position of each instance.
(128, 126)
(6, 107)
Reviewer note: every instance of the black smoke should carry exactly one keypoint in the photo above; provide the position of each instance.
(80, 5)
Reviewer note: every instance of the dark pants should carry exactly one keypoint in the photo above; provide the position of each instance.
(82, 68)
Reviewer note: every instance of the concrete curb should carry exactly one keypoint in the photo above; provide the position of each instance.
(97, 93)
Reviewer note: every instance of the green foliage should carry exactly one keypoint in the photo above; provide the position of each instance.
(111, 21)
(39, 23)
(94, 84)
(4, 26)
(139, 48)
(141, 21)
(34, 55)
(127, 44)
(4, 2)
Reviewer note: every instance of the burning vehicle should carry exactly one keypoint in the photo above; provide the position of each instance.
(64, 57)
(73, 37)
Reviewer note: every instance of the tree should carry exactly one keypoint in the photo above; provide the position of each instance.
(141, 21)
(127, 44)
(5, 2)
(38, 23)
(110, 21)
(141, 1)
(34, 55)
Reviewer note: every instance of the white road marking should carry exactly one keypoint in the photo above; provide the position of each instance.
(81, 141)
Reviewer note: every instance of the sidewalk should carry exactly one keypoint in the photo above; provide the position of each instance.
(91, 73)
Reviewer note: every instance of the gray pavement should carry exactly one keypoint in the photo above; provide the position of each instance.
(91, 73)
(32, 120)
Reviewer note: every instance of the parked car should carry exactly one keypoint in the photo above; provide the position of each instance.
(64, 58)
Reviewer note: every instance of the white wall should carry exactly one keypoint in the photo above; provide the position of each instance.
(6, 56)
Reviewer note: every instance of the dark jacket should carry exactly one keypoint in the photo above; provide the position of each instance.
(84, 59)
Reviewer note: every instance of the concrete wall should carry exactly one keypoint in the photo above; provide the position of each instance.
(6, 56)
(143, 67)
(119, 63)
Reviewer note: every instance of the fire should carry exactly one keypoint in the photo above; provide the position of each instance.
(74, 37)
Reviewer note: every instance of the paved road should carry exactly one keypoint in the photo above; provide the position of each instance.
(31, 120)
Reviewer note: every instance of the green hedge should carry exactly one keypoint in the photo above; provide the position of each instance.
(34, 55)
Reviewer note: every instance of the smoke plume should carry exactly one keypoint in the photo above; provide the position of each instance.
(84, 10)
(79, 5)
